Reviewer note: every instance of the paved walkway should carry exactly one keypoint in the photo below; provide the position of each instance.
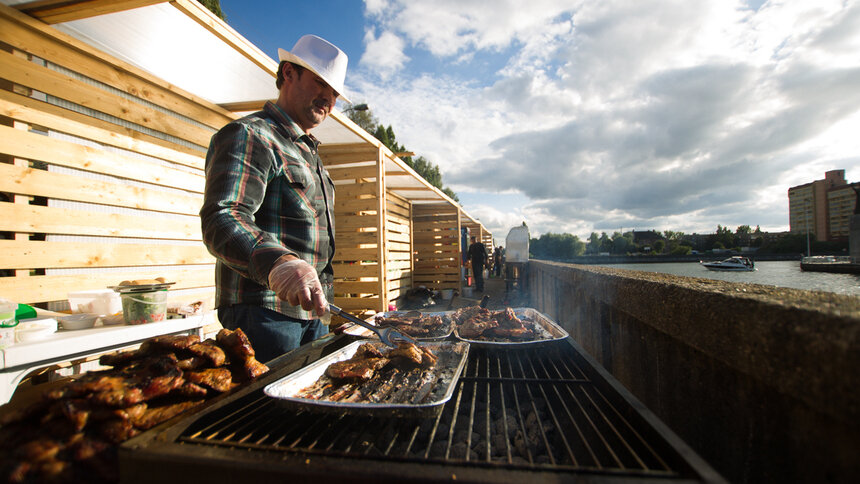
(493, 287)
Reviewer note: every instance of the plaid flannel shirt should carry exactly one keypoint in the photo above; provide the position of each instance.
(267, 195)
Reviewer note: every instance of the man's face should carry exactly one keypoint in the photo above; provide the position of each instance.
(309, 99)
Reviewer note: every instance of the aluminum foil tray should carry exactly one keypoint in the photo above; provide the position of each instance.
(451, 355)
(548, 328)
(448, 325)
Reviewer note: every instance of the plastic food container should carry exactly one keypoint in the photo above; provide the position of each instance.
(100, 302)
(78, 321)
(144, 307)
(35, 329)
(7, 313)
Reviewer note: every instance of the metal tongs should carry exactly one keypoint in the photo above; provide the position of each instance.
(385, 334)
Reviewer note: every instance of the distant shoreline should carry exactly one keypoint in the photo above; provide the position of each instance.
(643, 259)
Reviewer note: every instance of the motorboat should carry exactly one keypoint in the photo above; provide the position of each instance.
(734, 263)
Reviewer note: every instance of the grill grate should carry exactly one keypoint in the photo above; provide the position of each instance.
(527, 409)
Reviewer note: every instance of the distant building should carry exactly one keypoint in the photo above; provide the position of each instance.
(822, 207)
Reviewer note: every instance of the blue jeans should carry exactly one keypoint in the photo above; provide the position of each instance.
(271, 333)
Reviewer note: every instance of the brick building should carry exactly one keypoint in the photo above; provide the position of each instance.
(823, 207)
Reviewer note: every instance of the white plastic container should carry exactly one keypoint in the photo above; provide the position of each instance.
(7, 312)
(101, 302)
(35, 329)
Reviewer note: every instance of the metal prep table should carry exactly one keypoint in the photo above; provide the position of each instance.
(19, 359)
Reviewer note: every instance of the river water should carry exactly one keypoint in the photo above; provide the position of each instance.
(772, 273)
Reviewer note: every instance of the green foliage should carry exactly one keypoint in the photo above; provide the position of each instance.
(681, 250)
(743, 229)
(556, 246)
(214, 6)
(659, 246)
(424, 167)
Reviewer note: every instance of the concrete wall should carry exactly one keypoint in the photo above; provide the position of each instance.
(763, 382)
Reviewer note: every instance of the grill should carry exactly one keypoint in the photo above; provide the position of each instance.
(546, 413)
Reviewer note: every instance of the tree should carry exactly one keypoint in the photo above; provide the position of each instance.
(593, 245)
(557, 246)
(743, 229)
(424, 167)
(659, 246)
(214, 6)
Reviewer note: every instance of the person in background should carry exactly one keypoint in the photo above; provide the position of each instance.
(477, 255)
(497, 261)
(267, 207)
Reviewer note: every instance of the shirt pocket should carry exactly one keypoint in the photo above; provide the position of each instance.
(297, 195)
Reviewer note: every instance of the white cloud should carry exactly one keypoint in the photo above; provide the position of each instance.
(663, 114)
(383, 54)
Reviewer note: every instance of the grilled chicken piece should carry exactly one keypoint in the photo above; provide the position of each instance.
(235, 343)
(508, 319)
(218, 379)
(193, 363)
(356, 369)
(119, 359)
(191, 390)
(367, 350)
(155, 415)
(168, 343)
(210, 351)
(241, 353)
(464, 314)
(409, 351)
(117, 431)
(476, 326)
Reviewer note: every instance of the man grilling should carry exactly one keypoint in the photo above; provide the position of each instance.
(267, 209)
(477, 255)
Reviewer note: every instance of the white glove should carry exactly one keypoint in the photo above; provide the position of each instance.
(296, 282)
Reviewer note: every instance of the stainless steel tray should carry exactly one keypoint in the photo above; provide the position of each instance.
(549, 329)
(445, 315)
(451, 355)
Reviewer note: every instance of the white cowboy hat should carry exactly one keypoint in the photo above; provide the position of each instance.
(320, 57)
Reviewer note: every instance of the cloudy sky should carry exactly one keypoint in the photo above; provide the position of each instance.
(601, 115)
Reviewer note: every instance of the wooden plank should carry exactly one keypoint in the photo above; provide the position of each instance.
(36, 289)
(347, 153)
(354, 205)
(245, 106)
(350, 239)
(28, 181)
(353, 172)
(403, 238)
(58, 119)
(37, 219)
(354, 222)
(357, 303)
(58, 11)
(356, 287)
(343, 254)
(57, 84)
(31, 254)
(32, 146)
(33, 36)
(398, 265)
(355, 190)
(354, 270)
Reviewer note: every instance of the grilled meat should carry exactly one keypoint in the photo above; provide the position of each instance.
(356, 369)
(409, 351)
(241, 353)
(218, 379)
(476, 326)
(422, 326)
(71, 434)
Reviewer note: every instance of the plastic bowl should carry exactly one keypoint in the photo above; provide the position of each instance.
(78, 321)
(144, 307)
